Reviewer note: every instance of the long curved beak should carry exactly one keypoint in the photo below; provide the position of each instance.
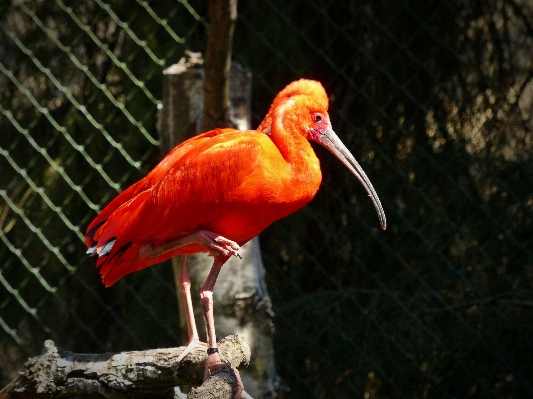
(330, 140)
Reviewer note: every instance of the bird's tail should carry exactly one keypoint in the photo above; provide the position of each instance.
(102, 217)
(112, 243)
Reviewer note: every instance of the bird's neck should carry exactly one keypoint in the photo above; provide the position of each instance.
(298, 153)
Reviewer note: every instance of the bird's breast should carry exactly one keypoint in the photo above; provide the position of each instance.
(264, 198)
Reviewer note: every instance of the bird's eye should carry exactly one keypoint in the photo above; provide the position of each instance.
(317, 118)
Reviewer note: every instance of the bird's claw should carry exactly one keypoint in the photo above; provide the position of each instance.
(220, 246)
(192, 344)
(147, 250)
(214, 363)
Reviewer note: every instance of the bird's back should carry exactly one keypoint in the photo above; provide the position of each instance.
(234, 184)
(149, 181)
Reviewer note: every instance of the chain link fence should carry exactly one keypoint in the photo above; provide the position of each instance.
(434, 98)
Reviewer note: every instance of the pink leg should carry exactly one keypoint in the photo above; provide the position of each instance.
(184, 284)
(213, 361)
(214, 243)
(221, 248)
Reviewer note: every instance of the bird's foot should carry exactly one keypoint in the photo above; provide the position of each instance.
(193, 343)
(218, 245)
(147, 250)
(214, 363)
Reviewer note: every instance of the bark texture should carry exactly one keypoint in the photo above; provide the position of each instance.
(154, 373)
(222, 17)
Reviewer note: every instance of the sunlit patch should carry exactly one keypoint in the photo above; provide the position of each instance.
(107, 247)
(92, 250)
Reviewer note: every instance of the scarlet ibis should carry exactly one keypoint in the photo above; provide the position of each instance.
(307, 87)
(217, 192)
(303, 86)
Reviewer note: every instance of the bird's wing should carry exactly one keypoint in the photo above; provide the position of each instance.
(174, 156)
(194, 190)
(150, 180)
(210, 172)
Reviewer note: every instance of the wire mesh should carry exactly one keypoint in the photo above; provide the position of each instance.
(434, 98)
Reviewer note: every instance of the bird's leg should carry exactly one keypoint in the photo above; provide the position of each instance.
(214, 243)
(184, 284)
(213, 361)
(206, 298)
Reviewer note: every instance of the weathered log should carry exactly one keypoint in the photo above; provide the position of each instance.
(57, 372)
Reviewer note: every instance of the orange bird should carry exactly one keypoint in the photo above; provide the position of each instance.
(215, 192)
(306, 87)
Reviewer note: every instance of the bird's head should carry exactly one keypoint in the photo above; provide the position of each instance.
(303, 114)
(307, 87)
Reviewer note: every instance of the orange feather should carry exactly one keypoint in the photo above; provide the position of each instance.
(234, 183)
(300, 87)
(231, 183)
(151, 179)
(305, 87)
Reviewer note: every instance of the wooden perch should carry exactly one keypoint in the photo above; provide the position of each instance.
(153, 373)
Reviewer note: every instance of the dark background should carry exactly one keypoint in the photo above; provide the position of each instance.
(435, 100)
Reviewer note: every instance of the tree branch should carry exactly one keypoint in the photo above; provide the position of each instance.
(222, 17)
(57, 372)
